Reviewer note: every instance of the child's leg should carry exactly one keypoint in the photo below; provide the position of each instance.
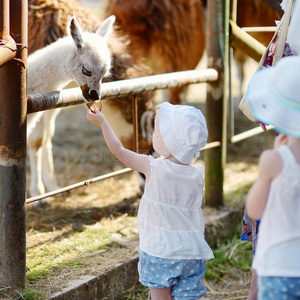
(253, 288)
(161, 294)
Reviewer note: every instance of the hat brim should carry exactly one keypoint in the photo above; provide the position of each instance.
(269, 106)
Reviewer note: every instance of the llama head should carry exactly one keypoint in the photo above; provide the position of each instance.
(92, 59)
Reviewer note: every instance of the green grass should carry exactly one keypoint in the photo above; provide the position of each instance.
(137, 292)
(33, 295)
(231, 258)
(69, 251)
(8, 294)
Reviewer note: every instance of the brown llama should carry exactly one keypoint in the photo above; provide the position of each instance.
(168, 34)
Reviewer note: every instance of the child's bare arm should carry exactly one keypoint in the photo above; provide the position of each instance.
(270, 165)
(203, 202)
(133, 160)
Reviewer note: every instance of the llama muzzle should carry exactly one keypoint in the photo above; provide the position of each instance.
(89, 95)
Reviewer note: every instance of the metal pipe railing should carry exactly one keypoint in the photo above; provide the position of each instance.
(240, 39)
(78, 185)
(260, 29)
(97, 179)
(69, 97)
(248, 133)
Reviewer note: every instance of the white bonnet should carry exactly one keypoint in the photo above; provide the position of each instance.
(183, 130)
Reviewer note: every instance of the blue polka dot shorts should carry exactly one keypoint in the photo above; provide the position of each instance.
(278, 288)
(183, 276)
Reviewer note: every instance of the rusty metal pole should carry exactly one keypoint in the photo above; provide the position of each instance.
(7, 44)
(4, 16)
(13, 109)
(214, 105)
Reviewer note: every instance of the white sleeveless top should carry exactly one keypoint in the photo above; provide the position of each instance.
(170, 218)
(293, 36)
(278, 244)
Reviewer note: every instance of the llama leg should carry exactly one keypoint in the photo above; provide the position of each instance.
(49, 178)
(34, 154)
(36, 183)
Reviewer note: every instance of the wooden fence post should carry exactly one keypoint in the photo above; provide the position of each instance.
(217, 93)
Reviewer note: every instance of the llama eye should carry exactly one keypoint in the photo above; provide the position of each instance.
(86, 72)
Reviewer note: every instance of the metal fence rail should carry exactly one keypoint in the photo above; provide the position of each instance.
(69, 97)
(96, 179)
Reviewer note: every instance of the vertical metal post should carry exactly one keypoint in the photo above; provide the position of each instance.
(4, 19)
(233, 18)
(226, 81)
(215, 115)
(13, 109)
(8, 47)
(233, 10)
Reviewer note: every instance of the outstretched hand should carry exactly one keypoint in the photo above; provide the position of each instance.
(95, 116)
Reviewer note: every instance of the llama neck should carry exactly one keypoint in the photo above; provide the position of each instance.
(47, 67)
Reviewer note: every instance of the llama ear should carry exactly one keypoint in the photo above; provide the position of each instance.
(76, 32)
(106, 27)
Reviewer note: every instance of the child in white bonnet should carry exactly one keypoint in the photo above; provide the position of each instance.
(170, 219)
(274, 97)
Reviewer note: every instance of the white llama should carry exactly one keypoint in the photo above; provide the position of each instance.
(83, 57)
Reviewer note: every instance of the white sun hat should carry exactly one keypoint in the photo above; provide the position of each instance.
(274, 96)
(183, 130)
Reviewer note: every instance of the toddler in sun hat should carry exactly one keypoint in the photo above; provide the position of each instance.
(173, 249)
(274, 97)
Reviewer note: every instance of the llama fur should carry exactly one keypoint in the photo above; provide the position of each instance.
(168, 34)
